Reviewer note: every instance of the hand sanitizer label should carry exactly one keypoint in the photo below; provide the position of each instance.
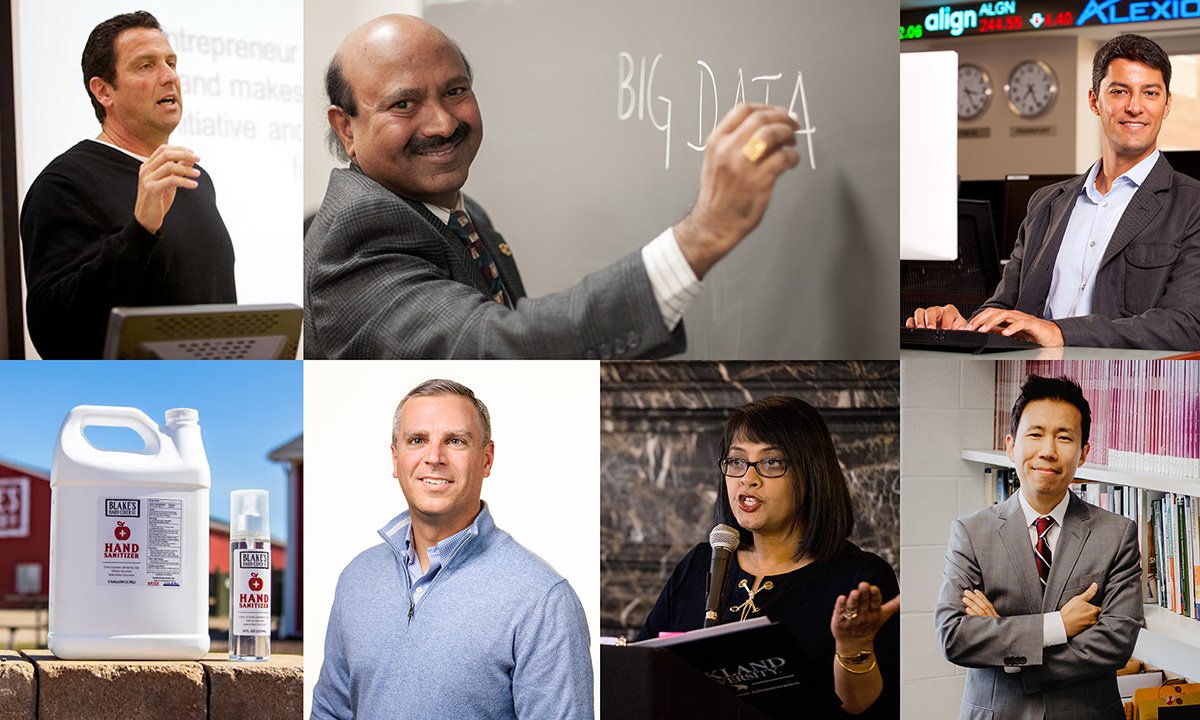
(251, 592)
(140, 542)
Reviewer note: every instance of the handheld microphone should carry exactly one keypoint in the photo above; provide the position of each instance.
(724, 540)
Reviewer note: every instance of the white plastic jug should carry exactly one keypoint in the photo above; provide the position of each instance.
(129, 540)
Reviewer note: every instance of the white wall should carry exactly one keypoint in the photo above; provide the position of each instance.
(543, 488)
(326, 23)
(945, 405)
(257, 179)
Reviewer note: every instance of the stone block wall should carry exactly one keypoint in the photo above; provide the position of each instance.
(35, 685)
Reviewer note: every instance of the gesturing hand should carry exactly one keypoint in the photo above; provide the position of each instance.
(858, 616)
(168, 168)
(735, 189)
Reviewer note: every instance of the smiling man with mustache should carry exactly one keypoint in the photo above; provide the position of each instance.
(126, 218)
(1110, 258)
(398, 263)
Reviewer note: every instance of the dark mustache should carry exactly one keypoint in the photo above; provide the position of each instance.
(426, 144)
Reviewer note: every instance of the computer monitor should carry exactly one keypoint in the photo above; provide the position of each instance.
(966, 282)
(1018, 189)
(990, 190)
(204, 332)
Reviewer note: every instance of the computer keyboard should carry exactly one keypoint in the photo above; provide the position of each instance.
(964, 341)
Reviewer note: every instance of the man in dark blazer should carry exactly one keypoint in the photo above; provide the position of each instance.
(399, 263)
(1041, 598)
(1083, 273)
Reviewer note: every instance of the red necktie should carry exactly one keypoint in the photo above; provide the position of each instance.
(1041, 551)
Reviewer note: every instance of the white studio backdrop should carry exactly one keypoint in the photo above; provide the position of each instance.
(241, 71)
(543, 488)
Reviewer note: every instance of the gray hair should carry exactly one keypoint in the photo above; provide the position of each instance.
(446, 387)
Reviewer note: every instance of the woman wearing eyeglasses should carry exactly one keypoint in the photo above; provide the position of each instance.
(783, 491)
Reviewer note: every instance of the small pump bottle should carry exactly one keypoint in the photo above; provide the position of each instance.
(249, 576)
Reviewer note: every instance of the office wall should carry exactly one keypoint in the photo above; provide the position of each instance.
(945, 406)
(1075, 142)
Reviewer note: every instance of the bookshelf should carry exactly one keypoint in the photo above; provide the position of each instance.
(1168, 640)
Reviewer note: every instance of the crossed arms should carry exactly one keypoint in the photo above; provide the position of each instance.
(975, 638)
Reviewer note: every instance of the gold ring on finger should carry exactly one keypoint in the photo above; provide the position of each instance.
(754, 148)
(846, 615)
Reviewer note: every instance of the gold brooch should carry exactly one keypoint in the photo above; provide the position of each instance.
(748, 608)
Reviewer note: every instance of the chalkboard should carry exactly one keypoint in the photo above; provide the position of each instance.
(592, 113)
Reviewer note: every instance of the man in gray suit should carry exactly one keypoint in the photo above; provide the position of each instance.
(1110, 258)
(1041, 598)
(399, 263)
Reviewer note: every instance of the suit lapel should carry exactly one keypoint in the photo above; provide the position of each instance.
(1071, 538)
(1142, 208)
(1014, 534)
(465, 270)
(1036, 286)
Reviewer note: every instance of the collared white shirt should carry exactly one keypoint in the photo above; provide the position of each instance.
(1054, 631)
(1089, 230)
(672, 280)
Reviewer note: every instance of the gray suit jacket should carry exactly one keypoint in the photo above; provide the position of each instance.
(1147, 292)
(384, 278)
(990, 551)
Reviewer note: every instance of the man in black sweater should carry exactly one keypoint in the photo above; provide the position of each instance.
(125, 219)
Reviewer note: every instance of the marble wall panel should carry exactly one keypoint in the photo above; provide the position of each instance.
(661, 425)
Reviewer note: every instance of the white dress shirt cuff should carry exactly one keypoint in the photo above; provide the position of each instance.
(1054, 630)
(674, 284)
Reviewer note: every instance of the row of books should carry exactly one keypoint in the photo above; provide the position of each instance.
(1001, 482)
(1145, 414)
(1171, 548)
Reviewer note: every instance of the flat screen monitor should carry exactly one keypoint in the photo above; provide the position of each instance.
(966, 282)
(1017, 191)
(204, 332)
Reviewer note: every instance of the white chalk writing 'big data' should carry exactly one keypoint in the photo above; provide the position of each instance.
(637, 97)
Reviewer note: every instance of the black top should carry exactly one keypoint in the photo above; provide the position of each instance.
(802, 600)
(85, 253)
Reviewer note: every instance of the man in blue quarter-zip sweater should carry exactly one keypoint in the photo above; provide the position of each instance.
(450, 617)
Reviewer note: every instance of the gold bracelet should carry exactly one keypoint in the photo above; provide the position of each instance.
(855, 672)
(857, 658)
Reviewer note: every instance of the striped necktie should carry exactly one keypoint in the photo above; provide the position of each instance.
(465, 230)
(1041, 551)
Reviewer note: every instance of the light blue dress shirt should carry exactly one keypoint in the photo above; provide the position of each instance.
(420, 580)
(1093, 220)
